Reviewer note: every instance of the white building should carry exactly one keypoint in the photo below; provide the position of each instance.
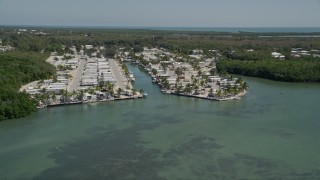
(278, 55)
(88, 46)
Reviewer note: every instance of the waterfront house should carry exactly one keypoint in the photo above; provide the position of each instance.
(62, 79)
(197, 52)
(89, 82)
(278, 55)
(88, 46)
(214, 78)
(56, 87)
(32, 91)
(172, 81)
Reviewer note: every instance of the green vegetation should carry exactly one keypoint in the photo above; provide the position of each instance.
(18, 68)
(291, 71)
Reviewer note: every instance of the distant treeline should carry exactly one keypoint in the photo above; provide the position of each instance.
(18, 68)
(291, 71)
(177, 41)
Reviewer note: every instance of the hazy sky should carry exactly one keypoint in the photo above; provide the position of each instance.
(189, 13)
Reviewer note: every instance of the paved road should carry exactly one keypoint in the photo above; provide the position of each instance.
(117, 74)
(74, 84)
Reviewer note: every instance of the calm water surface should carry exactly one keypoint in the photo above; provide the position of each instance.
(265, 135)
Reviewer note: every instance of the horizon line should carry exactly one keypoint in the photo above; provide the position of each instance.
(138, 26)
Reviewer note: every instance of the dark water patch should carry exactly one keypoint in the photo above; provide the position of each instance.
(162, 106)
(196, 149)
(241, 166)
(276, 132)
(241, 112)
(227, 165)
(117, 154)
(261, 164)
(167, 119)
(135, 117)
(111, 153)
(314, 174)
(150, 118)
(98, 129)
(194, 146)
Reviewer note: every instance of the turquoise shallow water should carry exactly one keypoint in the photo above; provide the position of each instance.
(265, 135)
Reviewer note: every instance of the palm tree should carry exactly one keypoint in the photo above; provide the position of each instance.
(164, 66)
(91, 91)
(178, 87)
(178, 80)
(245, 86)
(219, 93)
(37, 98)
(196, 87)
(184, 69)
(166, 84)
(212, 72)
(199, 73)
(45, 98)
(154, 72)
(109, 87)
(188, 88)
(179, 71)
(195, 81)
(80, 95)
(202, 83)
(119, 91)
(43, 90)
(239, 81)
(73, 93)
(141, 91)
(125, 70)
(53, 96)
(210, 92)
(134, 92)
(65, 95)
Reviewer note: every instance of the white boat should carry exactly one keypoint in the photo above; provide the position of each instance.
(131, 77)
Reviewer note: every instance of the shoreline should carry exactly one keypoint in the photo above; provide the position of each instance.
(154, 80)
(89, 102)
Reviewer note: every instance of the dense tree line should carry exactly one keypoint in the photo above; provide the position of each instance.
(176, 41)
(291, 71)
(15, 104)
(18, 68)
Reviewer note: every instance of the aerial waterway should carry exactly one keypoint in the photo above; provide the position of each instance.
(266, 134)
